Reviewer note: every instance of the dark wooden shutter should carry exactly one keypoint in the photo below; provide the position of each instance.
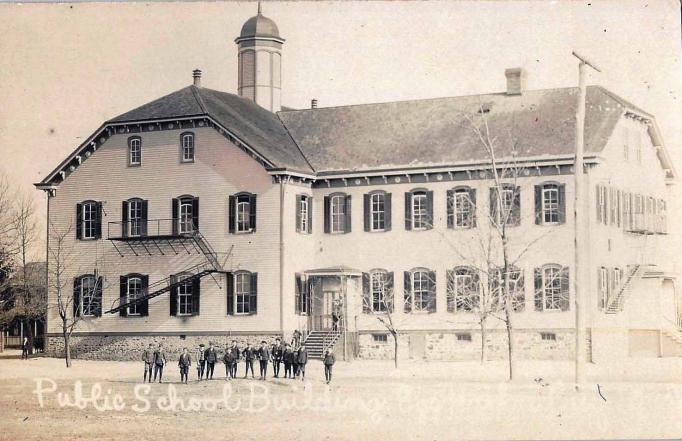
(231, 213)
(619, 207)
(450, 281)
(607, 205)
(367, 299)
(562, 203)
(431, 305)
(195, 214)
(389, 291)
(387, 210)
(472, 199)
(144, 306)
(431, 220)
(98, 220)
(79, 221)
(366, 202)
(97, 312)
(539, 289)
(196, 296)
(327, 217)
(230, 293)
(516, 207)
(299, 199)
(407, 294)
(564, 302)
(493, 206)
(253, 297)
(450, 213)
(310, 214)
(252, 212)
(538, 205)
(600, 294)
(174, 296)
(408, 211)
(175, 209)
(123, 295)
(596, 199)
(124, 219)
(76, 296)
(347, 221)
(297, 293)
(145, 214)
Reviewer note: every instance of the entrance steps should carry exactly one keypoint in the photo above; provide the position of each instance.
(318, 341)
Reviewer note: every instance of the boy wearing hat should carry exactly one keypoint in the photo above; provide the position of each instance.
(201, 361)
(263, 357)
(329, 361)
(184, 363)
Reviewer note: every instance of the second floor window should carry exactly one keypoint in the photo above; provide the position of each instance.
(89, 220)
(461, 208)
(550, 204)
(187, 147)
(419, 210)
(185, 214)
(134, 292)
(134, 217)
(303, 214)
(337, 213)
(135, 151)
(242, 216)
(505, 205)
(377, 211)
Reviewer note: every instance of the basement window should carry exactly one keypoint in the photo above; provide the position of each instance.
(380, 338)
(548, 336)
(464, 336)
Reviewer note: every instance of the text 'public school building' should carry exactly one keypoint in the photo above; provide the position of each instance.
(208, 216)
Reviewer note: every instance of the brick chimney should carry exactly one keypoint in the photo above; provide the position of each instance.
(515, 81)
(313, 103)
(196, 74)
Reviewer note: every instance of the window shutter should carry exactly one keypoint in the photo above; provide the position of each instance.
(195, 214)
(408, 211)
(230, 293)
(619, 206)
(407, 294)
(174, 296)
(472, 199)
(98, 297)
(450, 202)
(431, 306)
(175, 208)
(144, 306)
(297, 293)
(596, 199)
(429, 210)
(327, 220)
(565, 286)
(98, 221)
(493, 206)
(76, 296)
(310, 214)
(537, 272)
(389, 291)
(252, 212)
(231, 213)
(254, 292)
(299, 198)
(538, 205)
(124, 218)
(450, 275)
(366, 210)
(607, 205)
(196, 296)
(562, 203)
(145, 214)
(367, 300)
(79, 221)
(600, 281)
(123, 294)
(387, 210)
(347, 221)
(516, 207)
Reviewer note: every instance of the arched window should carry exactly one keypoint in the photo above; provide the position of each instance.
(461, 207)
(134, 151)
(515, 287)
(420, 290)
(87, 291)
(184, 295)
(551, 288)
(187, 147)
(134, 291)
(135, 217)
(186, 215)
(381, 290)
(242, 213)
(463, 293)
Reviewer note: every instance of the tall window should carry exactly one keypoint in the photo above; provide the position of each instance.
(505, 208)
(466, 290)
(187, 147)
(303, 214)
(550, 204)
(378, 282)
(185, 296)
(186, 223)
(88, 296)
(463, 208)
(420, 218)
(89, 221)
(616, 281)
(338, 213)
(420, 290)
(377, 212)
(135, 151)
(515, 286)
(601, 197)
(134, 291)
(603, 286)
(551, 288)
(135, 217)
(242, 291)
(243, 213)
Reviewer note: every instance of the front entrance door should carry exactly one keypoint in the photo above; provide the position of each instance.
(326, 306)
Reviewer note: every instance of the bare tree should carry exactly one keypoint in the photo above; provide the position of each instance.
(378, 300)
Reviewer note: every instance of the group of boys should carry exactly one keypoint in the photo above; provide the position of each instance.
(293, 358)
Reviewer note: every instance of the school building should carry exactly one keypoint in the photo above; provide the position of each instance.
(211, 216)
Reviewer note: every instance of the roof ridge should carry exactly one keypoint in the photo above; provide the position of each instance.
(295, 143)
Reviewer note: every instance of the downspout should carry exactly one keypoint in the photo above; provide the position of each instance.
(281, 256)
(47, 268)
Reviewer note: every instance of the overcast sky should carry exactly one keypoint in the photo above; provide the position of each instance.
(66, 68)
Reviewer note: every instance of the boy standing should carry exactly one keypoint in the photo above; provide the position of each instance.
(201, 361)
(277, 352)
(159, 362)
(288, 357)
(302, 359)
(235, 351)
(184, 363)
(148, 358)
(329, 361)
(211, 358)
(249, 354)
(229, 360)
(263, 357)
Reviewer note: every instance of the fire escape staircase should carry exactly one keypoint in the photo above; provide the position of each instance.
(616, 303)
(190, 241)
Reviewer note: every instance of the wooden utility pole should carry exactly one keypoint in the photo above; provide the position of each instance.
(580, 217)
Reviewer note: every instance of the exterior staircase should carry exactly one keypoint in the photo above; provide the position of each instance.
(617, 302)
(318, 341)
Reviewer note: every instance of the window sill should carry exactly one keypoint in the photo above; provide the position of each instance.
(186, 161)
(249, 231)
(183, 315)
(135, 165)
(88, 239)
(378, 231)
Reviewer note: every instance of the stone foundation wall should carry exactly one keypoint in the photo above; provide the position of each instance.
(128, 347)
(445, 345)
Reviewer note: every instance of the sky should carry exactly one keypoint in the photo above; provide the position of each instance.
(66, 68)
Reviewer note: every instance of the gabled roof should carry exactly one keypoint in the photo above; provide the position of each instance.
(257, 127)
(431, 132)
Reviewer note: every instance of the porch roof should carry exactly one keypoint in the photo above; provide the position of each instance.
(341, 270)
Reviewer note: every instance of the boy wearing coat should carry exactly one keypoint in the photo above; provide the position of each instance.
(249, 355)
(329, 361)
(288, 357)
(211, 358)
(277, 352)
(229, 359)
(263, 357)
(302, 359)
(235, 352)
(148, 358)
(159, 362)
(184, 363)
(201, 361)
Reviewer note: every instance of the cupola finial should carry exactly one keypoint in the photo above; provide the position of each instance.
(260, 9)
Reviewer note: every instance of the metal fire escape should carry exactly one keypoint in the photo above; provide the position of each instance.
(163, 235)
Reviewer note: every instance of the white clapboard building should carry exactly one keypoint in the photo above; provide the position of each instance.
(211, 216)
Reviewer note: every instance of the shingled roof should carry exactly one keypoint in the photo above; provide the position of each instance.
(257, 127)
(432, 132)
